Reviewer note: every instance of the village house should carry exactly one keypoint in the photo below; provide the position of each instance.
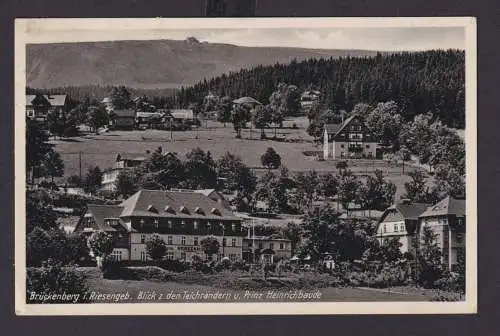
(110, 175)
(39, 106)
(150, 119)
(308, 98)
(446, 220)
(181, 219)
(122, 119)
(351, 139)
(108, 104)
(400, 221)
(267, 249)
(248, 102)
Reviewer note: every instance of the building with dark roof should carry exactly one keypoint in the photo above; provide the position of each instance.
(123, 119)
(110, 175)
(182, 219)
(446, 220)
(350, 139)
(39, 106)
(400, 221)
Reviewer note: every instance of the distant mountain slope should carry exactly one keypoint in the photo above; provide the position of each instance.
(153, 64)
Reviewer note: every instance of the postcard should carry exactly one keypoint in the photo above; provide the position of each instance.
(210, 166)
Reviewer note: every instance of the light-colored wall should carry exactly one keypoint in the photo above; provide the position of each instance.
(390, 232)
(326, 151)
(285, 252)
(440, 227)
(337, 149)
(189, 248)
(123, 256)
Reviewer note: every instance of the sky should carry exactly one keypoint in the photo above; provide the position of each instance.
(303, 34)
(383, 39)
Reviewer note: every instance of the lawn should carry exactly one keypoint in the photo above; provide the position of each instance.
(170, 291)
(102, 149)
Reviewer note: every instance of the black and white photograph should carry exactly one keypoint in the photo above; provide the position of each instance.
(245, 166)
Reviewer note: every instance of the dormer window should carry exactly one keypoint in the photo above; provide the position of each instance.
(199, 211)
(152, 209)
(184, 210)
(142, 223)
(215, 211)
(170, 224)
(195, 225)
(169, 209)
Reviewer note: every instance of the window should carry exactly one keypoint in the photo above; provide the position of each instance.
(385, 228)
(271, 246)
(195, 241)
(233, 256)
(157, 223)
(282, 246)
(144, 256)
(183, 224)
(195, 225)
(169, 224)
(143, 238)
(341, 146)
(250, 244)
(169, 255)
(142, 223)
(183, 241)
(396, 227)
(223, 241)
(116, 255)
(233, 242)
(233, 227)
(367, 146)
(209, 226)
(183, 255)
(169, 240)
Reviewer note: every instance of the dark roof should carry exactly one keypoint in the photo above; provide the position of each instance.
(54, 100)
(447, 206)
(411, 210)
(247, 100)
(332, 128)
(100, 212)
(407, 212)
(137, 205)
(125, 113)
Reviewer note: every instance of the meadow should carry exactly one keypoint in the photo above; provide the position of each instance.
(297, 149)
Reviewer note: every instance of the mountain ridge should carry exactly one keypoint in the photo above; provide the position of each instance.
(154, 63)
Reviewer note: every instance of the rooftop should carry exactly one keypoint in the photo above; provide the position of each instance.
(447, 206)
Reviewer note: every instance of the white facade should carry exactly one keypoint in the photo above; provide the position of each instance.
(391, 230)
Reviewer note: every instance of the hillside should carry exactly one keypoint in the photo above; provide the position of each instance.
(153, 64)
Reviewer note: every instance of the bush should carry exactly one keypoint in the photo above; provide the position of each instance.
(53, 279)
(387, 277)
(447, 297)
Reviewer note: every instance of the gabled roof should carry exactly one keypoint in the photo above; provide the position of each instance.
(182, 114)
(337, 128)
(54, 100)
(407, 212)
(247, 100)
(332, 128)
(125, 113)
(447, 206)
(100, 212)
(137, 205)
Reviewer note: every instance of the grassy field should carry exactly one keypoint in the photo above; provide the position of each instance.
(102, 149)
(170, 291)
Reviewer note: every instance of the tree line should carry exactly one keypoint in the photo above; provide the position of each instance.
(419, 82)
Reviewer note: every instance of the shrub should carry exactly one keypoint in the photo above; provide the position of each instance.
(53, 279)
